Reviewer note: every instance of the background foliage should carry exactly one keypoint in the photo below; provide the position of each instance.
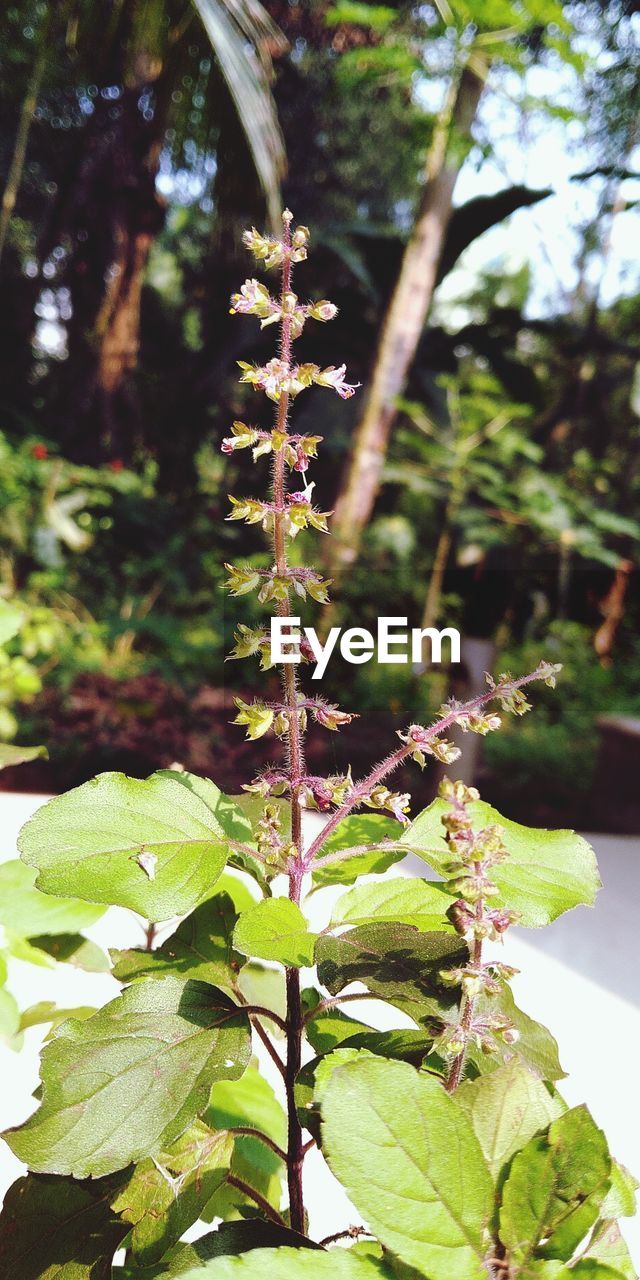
(136, 145)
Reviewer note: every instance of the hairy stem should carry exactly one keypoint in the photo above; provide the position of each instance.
(294, 1024)
(467, 1010)
(245, 1131)
(467, 1007)
(391, 762)
(332, 1001)
(252, 1194)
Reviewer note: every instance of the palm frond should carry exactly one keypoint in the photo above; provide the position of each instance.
(244, 39)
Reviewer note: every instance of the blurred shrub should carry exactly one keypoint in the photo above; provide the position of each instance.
(549, 761)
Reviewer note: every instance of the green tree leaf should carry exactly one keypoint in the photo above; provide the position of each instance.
(547, 872)
(164, 1196)
(608, 1247)
(359, 828)
(9, 1020)
(506, 1109)
(535, 1046)
(620, 1200)
(11, 620)
(588, 1270)
(201, 948)
(275, 929)
(401, 1046)
(155, 846)
(329, 1029)
(25, 911)
(248, 1103)
(48, 1012)
(260, 985)
(549, 1181)
(397, 963)
(11, 755)
(285, 1264)
(128, 1081)
(414, 1171)
(73, 948)
(229, 1238)
(57, 1229)
(420, 903)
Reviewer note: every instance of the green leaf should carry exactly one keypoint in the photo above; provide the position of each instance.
(608, 1247)
(57, 1229)
(360, 828)
(248, 1103)
(46, 1012)
(26, 911)
(376, 16)
(588, 1270)
(328, 1030)
(620, 1200)
(397, 963)
(129, 1080)
(535, 1046)
(549, 1180)
(402, 1046)
(11, 755)
(275, 929)
(201, 948)
(420, 903)
(11, 620)
(547, 872)
(229, 1238)
(285, 1264)
(9, 1020)
(260, 985)
(155, 846)
(21, 949)
(410, 1162)
(506, 1109)
(73, 948)
(164, 1196)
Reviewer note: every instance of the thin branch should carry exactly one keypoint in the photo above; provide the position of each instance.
(269, 1046)
(27, 112)
(395, 758)
(331, 1001)
(261, 1032)
(258, 1199)
(306, 1146)
(295, 763)
(239, 847)
(261, 1011)
(245, 1131)
(350, 1233)
(384, 846)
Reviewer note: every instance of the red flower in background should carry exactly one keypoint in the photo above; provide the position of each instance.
(40, 452)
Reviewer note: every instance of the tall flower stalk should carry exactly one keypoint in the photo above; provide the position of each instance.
(288, 511)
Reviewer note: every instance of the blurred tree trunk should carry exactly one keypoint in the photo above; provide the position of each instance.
(113, 212)
(405, 318)
(16, 167)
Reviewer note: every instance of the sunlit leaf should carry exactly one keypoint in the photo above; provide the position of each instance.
(546, 873)
(408, 1158)
(156, 846)
(129, 1080)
